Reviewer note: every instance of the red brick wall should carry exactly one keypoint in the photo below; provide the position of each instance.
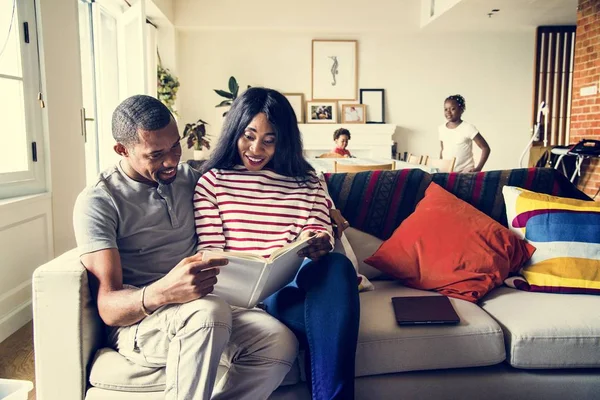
(585, 111)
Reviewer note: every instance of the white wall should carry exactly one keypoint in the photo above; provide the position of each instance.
(34, 229)
(418, 70)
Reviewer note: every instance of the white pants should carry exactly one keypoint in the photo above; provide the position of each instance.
(192, 339)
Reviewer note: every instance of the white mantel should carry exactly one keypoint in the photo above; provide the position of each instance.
(367, 140)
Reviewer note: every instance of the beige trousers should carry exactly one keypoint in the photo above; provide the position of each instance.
(192, 339)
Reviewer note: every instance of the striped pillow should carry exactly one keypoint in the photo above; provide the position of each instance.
(566, 233)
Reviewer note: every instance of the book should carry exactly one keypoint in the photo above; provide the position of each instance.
(250, 278)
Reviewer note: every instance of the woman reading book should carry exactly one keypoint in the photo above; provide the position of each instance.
(257, 194)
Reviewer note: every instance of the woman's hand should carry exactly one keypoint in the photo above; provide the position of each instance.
(318, 245)
(339, 222)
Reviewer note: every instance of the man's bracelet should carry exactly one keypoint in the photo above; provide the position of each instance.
(144, 309)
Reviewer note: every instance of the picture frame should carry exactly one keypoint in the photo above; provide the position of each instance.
(354, 114)
(321, 112)
(334, 69)
(374, 100)
(297, 102)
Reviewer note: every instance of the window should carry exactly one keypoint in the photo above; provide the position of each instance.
(21, 150)
(554, 57)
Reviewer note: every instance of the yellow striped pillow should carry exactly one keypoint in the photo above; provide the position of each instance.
(566, 234)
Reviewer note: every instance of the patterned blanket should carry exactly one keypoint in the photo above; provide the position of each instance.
(377, 202)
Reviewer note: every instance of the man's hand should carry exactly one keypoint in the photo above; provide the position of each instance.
(318, 245)
(189, 280)
(339, 222)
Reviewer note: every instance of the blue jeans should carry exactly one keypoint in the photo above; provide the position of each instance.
(321, 307)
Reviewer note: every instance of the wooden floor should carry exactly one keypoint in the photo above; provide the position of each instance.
(16, 356)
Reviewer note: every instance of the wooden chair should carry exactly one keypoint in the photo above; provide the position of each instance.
(330, 155)
(412, 159)
(443, 165)
(342, 167)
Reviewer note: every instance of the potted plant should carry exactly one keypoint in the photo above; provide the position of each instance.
(197, 138)
(230, 95)
(167, 87)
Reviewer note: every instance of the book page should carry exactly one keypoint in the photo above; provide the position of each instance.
(237, 281)
(281, 272)
(294, 246)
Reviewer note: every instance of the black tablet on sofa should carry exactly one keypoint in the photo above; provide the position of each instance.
(420, 310)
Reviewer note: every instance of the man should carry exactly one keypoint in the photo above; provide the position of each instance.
(136, 235)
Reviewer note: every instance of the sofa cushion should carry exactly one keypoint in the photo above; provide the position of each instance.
(384, 347)
(449, 246)
(546, 330)
(112, 371)
(566, 234)
(364, 245)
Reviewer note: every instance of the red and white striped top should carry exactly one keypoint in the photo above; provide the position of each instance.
(258, 212)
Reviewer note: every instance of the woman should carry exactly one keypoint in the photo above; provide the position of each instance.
(258, 193)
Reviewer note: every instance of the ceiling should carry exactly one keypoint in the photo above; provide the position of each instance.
(514, 15)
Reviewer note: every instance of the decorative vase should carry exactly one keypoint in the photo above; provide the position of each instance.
(201, 154)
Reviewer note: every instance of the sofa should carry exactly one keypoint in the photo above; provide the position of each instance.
(511, 344)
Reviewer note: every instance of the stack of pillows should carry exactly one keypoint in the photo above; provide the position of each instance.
(449, 246)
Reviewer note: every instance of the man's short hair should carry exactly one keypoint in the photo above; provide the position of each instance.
(135, 113)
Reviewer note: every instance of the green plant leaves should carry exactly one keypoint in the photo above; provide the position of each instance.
(233, 87)
(224, 103)
(224, 93)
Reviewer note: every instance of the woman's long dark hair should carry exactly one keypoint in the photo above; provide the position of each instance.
(288, 159)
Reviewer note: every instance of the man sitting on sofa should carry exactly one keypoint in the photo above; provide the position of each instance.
(136, 236)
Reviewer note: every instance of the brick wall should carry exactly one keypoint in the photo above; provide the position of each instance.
(585, 111)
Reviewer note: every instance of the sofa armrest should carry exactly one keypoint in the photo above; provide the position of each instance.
(66, 326)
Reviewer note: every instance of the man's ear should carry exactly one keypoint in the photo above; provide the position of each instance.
(121, 150)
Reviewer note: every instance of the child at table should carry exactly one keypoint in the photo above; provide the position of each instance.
(341, 137)
(457, 137)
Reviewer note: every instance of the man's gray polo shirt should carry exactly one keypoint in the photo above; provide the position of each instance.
(151, 226)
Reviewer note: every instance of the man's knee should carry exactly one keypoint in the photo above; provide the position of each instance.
(283, 344)
(207, 312)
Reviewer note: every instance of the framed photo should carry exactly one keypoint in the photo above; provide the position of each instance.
(353, 114)
(373, 99)
(321, 112)
(334, 69)
(297, 102)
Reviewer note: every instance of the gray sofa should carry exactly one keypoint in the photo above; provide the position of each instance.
(512, 344)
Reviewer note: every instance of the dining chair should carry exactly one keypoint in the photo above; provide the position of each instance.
(330, 155)
(443, 165)
(413, 159)
(343, 167)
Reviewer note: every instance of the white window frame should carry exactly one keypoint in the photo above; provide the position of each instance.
(13, 184)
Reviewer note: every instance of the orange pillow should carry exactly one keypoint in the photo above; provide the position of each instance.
(449, 246)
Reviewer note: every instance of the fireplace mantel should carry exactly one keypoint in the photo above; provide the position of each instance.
(368, 140)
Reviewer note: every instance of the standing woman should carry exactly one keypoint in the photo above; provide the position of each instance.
(258, 193)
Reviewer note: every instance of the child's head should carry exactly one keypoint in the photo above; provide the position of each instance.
(454, 107)
(261, 131)
(341, 138)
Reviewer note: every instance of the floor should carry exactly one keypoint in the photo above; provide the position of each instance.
(16, 356)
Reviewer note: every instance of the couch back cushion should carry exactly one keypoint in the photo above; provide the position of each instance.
(376, 202)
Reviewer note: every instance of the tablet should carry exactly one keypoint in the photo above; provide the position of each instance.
(421, 310)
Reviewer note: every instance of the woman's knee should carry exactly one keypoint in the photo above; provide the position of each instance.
(332, 266)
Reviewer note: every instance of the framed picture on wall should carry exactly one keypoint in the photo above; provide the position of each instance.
(297, 102)
(374, 100)
(353, 114)
(334, 70)
(321, 112)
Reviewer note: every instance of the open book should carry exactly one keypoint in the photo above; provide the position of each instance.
(250, 278)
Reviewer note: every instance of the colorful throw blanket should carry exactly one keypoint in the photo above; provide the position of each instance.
(376, 202)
